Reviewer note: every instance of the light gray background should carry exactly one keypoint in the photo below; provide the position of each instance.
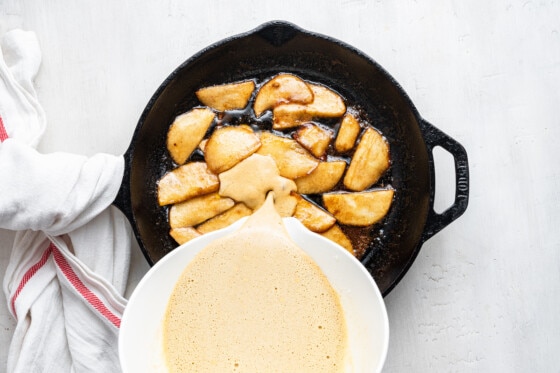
(484, 294)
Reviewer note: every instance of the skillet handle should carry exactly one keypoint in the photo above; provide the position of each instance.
(122, 200)
(436, 222)
(277, 32)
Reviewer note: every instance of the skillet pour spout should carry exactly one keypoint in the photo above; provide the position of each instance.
(276, 47)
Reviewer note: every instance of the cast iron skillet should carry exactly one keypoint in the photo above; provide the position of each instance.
(282, 47)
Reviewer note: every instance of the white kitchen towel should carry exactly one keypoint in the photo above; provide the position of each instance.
(70, 260)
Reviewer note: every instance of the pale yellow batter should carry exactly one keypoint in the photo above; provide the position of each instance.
(255, 302)
(264, 176)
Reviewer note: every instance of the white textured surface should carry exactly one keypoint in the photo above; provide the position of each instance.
(483, 294)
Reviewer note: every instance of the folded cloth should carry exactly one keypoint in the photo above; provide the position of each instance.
(70, 259)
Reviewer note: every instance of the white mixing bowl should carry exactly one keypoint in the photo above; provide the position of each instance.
(140, 339)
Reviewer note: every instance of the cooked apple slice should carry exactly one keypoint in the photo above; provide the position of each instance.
(314, 138)
(311, 216)
(292, 159)
(369, 162)
(286, 206)
(202, 145)
(347, 133)
(289, 116)
(228, 146)
(282, 89)
(359, 209)
(186, 181)
(326, 104)
(322, 179)
(227, 96)
(225, 219)
(183, 234)
(186, 131)
(336, 235)
(196, 210)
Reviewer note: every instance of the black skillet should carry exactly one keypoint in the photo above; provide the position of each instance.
(283, 47)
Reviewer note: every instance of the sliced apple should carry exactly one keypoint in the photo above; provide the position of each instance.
(227, 96)
(326, 104)
(286, 206)
(282, 89)
(228, 146)
(347, 134)
(336, 235)
(186, 181)
(289, 116)
(202, 145)
(311, 216)
(322, 179)
(369, 162)
(225, 219)
(196, 210)
(183, 234)
(292, 159)
(314, 138)
(359, 209)
(186, 132)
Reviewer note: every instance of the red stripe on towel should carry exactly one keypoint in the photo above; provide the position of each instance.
(3, 132)
(87, 294)
(72, 277)
(30, 273)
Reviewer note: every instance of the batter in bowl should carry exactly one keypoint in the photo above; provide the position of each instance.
(254, 301)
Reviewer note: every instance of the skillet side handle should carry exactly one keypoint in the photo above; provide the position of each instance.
(122, 200)
(436, 222)
(277, 32)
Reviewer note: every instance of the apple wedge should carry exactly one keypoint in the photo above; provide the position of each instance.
(186, 132)
(314, 138)
(359, 209)
(186, 181)
(224, 219)
(227, 96)
(183, 234)
(202, 145)
(228, 146)
(292, 159)
(289, 116)
(326, 104)
(336, 234)
(322, 179)
(282, 89)
(369, 162)
(347, 134)
(311, 216)
(196, 210)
